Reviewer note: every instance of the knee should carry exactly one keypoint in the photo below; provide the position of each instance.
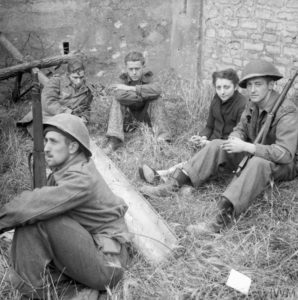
(259, 163)
(56, 223)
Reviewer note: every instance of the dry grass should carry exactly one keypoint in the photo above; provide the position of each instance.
(263, 244)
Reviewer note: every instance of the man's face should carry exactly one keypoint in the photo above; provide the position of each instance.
(134, 70)
(225, 88)
(57, 151)
(258, 88)
(77, 78)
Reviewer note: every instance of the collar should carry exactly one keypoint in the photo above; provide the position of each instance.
(146, 77)
(58, 172)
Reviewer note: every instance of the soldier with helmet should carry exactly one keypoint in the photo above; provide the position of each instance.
(273, 159)
(71, 233)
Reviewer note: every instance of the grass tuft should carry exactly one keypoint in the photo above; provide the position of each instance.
(263, 244)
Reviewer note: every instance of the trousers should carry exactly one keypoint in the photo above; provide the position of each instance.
(152, 113)
(58, 251)
(243, 189)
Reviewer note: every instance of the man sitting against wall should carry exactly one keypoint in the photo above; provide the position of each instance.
(137, 96)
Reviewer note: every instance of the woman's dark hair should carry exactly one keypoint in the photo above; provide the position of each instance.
(226, 74)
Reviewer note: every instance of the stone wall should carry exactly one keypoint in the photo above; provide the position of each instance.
(104, 30)
(236, 31)
(194, 37)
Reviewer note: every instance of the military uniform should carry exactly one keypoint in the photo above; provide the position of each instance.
(59, 96)
(144, 104)
(275, 159)
(73, 229)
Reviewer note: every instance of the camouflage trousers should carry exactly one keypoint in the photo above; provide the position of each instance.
(152, 113)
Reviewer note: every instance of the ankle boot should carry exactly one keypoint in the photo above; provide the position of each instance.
(178, 179)
(149, 175)
(223, 219)
(181, 177)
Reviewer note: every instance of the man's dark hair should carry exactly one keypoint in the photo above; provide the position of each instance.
(229, 74)
(135, 56)
(75, 65)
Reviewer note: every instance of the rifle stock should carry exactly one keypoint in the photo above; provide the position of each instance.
(266, 126)
(39, 165)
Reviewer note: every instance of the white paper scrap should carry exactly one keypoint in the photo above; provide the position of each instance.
(239, 282)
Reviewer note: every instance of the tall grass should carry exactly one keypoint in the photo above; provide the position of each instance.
(263, 244)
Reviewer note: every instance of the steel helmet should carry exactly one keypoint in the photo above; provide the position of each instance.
(73, 126)
(259, 68)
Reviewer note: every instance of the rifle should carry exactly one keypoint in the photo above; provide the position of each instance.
(39, 164)
(266, 126)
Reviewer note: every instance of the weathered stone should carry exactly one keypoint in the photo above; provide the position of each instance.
(291, 51)
(231, 22)
(253, 46)
(267, 37)
(240, 33)
(286, 16)
(271, 3)
(249, 24)
(263, 14)
(273, 49)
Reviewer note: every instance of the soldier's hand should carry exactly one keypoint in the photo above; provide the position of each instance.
(236, 145)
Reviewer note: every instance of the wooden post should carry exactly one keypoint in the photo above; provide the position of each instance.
(17, 86)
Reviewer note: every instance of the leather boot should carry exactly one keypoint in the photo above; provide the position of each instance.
(178, 179)
(149, 175)
(224, 219)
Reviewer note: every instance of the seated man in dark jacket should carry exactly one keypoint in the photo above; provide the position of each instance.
(140, 97)
(70, 233)
(65, 94)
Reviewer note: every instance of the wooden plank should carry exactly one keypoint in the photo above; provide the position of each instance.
(8, 72)
(152, 236)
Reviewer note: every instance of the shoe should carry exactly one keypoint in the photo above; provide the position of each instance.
(112, 145)
(224, 219)
(149, 175)
(160, 190)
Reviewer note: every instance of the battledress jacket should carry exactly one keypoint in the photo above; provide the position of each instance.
(223, 116)
(59, 96)
(146, 90)
(281, 142)
(76, 190)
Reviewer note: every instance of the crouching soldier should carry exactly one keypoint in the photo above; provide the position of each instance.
(70, 233)
(136, 96)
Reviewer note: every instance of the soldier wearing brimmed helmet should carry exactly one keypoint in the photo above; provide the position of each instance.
(72, 229)
(273, 159)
